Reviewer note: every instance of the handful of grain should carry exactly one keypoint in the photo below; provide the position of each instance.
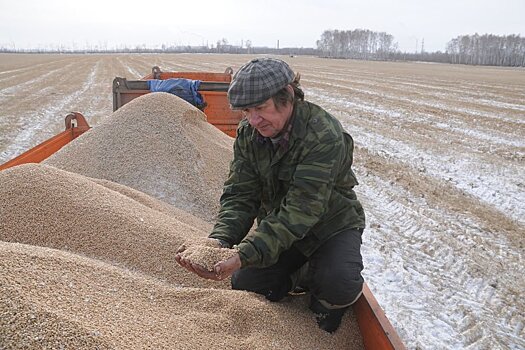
(205, 252)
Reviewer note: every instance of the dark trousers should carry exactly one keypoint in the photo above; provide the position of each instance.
(333, 272)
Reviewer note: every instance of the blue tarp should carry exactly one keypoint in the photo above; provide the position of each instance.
(183, 88)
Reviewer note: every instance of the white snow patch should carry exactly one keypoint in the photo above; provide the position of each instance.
(47, 116)
(432, 292)
(422, 101)
(16, 90)
(134, 73)
(491, 183)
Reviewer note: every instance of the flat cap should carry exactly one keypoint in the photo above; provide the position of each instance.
(257, 81)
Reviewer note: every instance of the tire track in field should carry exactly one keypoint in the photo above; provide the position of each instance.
(434, 157)
(22, 101)
(472, 92)
(417, 99)
(436, 124)
(97, 102)
(469, 99)
(15, 76)
(14, 91)
(189, 63)
(439, 80)
(437, 264)
(35, 128)
(433, 123)
(29, 71)
(133, 74)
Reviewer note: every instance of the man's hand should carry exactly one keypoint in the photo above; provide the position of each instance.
(221, 270)
(226, 268)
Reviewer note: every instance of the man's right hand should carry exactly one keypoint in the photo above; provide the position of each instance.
(196, 268)
(222, 269)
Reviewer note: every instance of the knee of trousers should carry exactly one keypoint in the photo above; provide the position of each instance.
(337, 286)
(272, 289)
(256, 280)
(240, 281)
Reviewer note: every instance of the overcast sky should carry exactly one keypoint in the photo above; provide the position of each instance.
(116, 23)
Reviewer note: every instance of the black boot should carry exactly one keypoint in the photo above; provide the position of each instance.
(327, 319)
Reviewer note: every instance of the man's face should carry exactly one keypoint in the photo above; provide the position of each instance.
(267, 118)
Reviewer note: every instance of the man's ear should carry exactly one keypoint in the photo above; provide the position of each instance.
(290, 90)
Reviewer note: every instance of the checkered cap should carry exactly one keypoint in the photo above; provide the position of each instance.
(257, 81)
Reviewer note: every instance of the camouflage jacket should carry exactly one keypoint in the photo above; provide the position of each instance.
(301, 194)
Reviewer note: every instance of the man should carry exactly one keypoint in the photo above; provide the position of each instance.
(292, 171)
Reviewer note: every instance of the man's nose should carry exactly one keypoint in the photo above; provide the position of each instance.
(254, 118)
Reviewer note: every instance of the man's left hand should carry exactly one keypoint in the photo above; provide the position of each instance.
(226, 268)
(221, 270)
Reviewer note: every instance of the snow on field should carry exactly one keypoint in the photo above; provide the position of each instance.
(472, 174)
(440, 156)
(46, 116)
(132, 72)
(436, 271)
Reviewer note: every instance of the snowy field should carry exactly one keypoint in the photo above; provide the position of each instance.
(440, 156)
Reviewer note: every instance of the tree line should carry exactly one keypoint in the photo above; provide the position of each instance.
(229, 49)
(358, 43)
(487, 49)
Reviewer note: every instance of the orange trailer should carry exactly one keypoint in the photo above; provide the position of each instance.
(213, 89)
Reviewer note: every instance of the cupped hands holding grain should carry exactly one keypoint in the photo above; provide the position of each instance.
(201, 242)
(207, 259)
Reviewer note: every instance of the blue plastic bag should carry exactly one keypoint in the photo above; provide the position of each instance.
(183, 88)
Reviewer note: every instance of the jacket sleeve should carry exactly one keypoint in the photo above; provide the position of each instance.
(302, 207)
(241, 196)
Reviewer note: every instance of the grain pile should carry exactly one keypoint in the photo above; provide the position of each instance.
(55, 299)
(87, 256)
(158, 144)
(44, 206)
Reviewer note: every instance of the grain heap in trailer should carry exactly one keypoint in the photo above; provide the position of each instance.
(87, 246)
